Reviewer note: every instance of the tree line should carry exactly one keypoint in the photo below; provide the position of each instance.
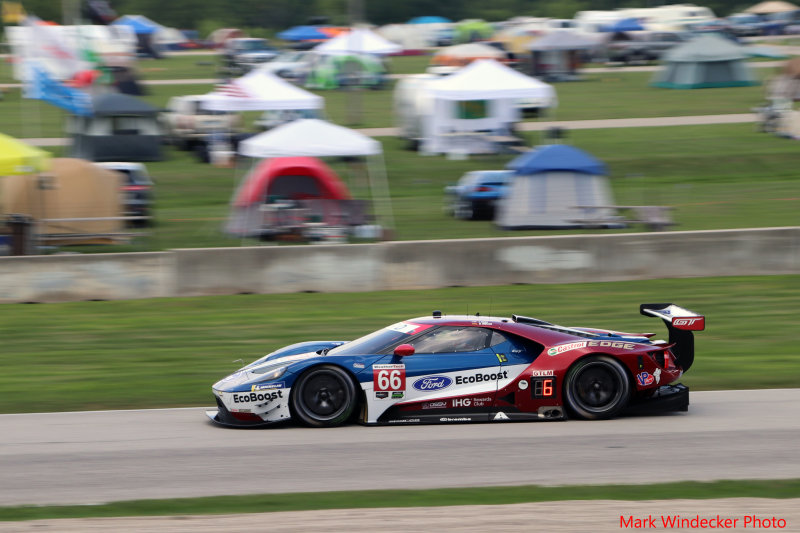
(276, 15)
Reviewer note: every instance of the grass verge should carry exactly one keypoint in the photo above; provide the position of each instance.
(167, 352)
(306, 501)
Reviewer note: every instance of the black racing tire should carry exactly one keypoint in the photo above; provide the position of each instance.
(324, 396)
(597, 388)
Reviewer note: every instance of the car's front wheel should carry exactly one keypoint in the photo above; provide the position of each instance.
(597, 388)
(324, 396)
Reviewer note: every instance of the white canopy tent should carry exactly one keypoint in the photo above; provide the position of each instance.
(481, 97)
(358, 41)
(319, 138)
(260, 90)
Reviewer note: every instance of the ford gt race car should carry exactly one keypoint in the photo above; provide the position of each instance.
(442, 369)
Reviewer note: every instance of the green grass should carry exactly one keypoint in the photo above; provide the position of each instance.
(726, 176)
(167, 352)
(364, 499)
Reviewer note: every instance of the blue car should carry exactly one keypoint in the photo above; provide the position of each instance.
(476, 194)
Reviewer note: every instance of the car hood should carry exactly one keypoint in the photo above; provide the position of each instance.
(255, 373)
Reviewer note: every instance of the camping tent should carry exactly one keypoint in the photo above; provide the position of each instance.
(471, 30)
(260, 90)
(145, 30)
(75, 190)
(345, 70)
(358, 41)
(318, 138)
(121, 128)
(276, 181)
(303, 33)
(548, 183)
(557, 55)
(481, 97)
(623, 25)
(295, 178)
(19, 158)
(460, 55)
(708, 60)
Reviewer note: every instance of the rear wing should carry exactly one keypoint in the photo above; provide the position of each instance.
(680, 324)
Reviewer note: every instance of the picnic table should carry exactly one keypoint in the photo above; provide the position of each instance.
(654, 217)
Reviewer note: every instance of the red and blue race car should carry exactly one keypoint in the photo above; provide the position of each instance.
(442, 369)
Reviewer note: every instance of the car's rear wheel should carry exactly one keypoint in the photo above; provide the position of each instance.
(597, 388)
(324, 396)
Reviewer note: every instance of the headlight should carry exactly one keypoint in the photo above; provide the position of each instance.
(273, 373)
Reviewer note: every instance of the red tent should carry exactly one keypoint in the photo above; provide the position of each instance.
(295, 178)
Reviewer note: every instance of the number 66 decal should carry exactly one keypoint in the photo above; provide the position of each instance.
(389, 377)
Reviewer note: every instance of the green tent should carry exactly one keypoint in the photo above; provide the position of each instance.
(347, 70)
(708, 60)
(472, 30)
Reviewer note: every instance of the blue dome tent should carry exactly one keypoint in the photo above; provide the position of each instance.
(549, 183)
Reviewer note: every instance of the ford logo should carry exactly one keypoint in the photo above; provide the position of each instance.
(432, 383)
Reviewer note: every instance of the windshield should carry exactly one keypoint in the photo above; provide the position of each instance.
(379, 341)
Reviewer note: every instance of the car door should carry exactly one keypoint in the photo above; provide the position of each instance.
(453, 374)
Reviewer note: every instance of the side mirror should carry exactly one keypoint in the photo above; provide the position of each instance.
(404, 350)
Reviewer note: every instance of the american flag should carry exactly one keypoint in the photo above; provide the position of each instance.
(231, 89)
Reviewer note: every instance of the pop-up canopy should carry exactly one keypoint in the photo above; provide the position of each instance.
(358, 41)
(19, 158)
(482, 96)
(259, 90)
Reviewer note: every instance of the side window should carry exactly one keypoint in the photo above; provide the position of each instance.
(511, 344)
(453, 339)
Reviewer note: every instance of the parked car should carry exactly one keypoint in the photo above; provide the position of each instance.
(476, 194)
(642, 46)
(186, 122)
(137, 189)
(242, 54)
(293, 65)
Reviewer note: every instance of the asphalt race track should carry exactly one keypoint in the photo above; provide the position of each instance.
(94, 457)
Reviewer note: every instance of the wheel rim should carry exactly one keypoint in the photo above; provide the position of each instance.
(597, 387)
(324, 396)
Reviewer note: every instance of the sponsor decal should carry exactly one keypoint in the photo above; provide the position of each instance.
(480, 378)
(481, 402)
(482, 323)
(430, 383)
(645, 378)
(523, 384)
(555, 350)
(267, 386)
(407, 327)
(250, 397)
(358, 365)
(500, 416)
(382, 395)
(405, 421)
(398, 395)
(536, 373)
(502, 357)
(389, 377)
(462, 402)
(657, 375)
(455, 419)
(434, 405)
